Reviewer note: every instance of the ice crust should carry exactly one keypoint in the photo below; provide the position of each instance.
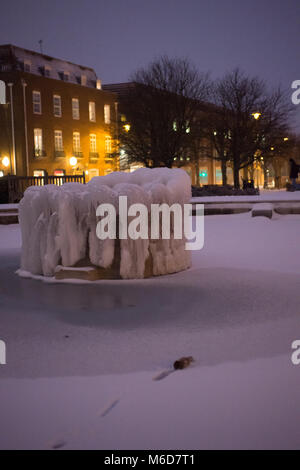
(58, 223)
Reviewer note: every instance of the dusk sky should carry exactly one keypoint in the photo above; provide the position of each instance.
(117, 36)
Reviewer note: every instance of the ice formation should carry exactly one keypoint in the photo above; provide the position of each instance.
(58, 223)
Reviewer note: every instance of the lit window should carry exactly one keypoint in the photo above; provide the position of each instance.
(93, 143)
(1, 173)
(83, 80)
(218, 176)
(203, 173)
(92, 111)
(107, 144)
(57, 105)
(39, 173)
(58, 141)
(38, 142)
(75, 108)
(107, 114)
(59, 172)
(37, 102)
(76, 141)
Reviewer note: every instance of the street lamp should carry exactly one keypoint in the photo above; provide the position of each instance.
(73, 161)
(5, 162)
(256, 115)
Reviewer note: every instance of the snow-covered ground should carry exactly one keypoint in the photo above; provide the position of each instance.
(81, 358)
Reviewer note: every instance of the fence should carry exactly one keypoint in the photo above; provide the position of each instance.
(16, 185)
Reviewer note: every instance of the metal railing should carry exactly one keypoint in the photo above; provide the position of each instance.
(16, 185)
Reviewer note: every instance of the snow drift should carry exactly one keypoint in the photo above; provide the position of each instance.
(58, 224)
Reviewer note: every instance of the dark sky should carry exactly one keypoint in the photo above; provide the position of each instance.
(117, 36)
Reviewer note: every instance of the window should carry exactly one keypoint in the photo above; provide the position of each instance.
(58, 141)
(218, 175)
(57, 105)
(93, 143)
(75, 108)
(107, 114)
(27, 66)
(39, 173)
(107, 144)
(76, 142)
(93, 172)
(37, 102)
(203, 174)
(47, 71)
(38, 142)
(83, 80)
(64, 76)
(59, 172)
(92, 111)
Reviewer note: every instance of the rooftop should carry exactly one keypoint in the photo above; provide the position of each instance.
(17, 58)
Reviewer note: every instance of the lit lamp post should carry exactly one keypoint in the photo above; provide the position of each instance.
(73, 163)
(5, 162)
(256, 115)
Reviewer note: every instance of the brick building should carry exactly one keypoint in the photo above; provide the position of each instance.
(205, 169)
(54, 116)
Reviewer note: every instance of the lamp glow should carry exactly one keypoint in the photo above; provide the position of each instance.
(73, 161)
(256, 115)
(5, 161)
(127, 127)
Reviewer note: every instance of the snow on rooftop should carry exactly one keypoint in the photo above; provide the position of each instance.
(56, 67)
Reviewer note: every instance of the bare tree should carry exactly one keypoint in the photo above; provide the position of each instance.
(160, 108)
(248, 116)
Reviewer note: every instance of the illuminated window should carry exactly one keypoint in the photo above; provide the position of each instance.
(58, 141)
(219, 176)
(107, 114)
(93, 172)
(83, 80)
(38, 141)
(107, 144)
(39, 173)
(59, 172)
(1, 173)
(37, 102)
(203, 174)
(76, 141)
(92, 111)
(93, 143)
(75, 108)
(57, 105)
